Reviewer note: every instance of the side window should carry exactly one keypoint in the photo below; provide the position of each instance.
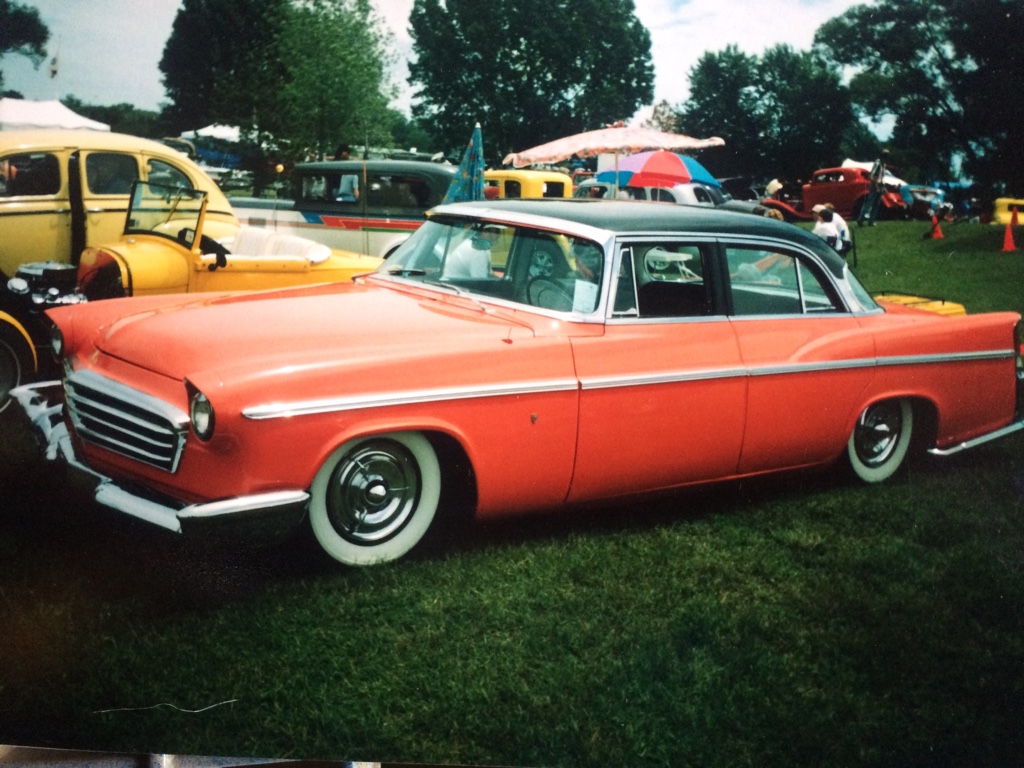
(513, 188)
(662, 195)
(768, 283)
(344, 188)
(703, 198)
(670, 280)
(554, 189)
(31, 173)
(167, 175)
(312, 187)
(110, 173)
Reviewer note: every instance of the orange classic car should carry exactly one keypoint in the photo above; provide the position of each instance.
(515, 356)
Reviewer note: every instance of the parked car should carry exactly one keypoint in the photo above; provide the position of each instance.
(61, 192)
(845, 188)
(512, 183)
(1004, 208)
(607, 350)
(367, 206)
(165, 249)
(689, 193)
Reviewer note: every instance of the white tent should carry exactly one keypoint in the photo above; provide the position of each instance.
(17, 114)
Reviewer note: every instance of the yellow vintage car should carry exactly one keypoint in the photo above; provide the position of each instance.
(511, 183)
(63, 191)
(165, 248)
(1002, 211)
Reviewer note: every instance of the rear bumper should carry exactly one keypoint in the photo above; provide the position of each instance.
(272, 512)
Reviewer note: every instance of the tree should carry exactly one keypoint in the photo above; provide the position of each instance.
(222, 63)
(783, 113)
(122, 118)
(528, 71)
(305, 74)
(22, 33)
(948, 72)
(337, 88)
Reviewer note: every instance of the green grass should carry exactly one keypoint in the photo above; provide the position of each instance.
(798, 621)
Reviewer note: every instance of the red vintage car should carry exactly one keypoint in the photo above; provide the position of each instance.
(515, 356)
(845, 187)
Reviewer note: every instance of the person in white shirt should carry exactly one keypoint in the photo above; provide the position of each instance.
(472, 257)
(845, 243)
(823, 227)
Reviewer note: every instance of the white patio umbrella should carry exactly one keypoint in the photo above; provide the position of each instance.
(617, 140)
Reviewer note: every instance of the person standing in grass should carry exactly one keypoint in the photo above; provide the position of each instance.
(869, 208)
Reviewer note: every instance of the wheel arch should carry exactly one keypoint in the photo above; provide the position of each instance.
(7, 319)
(926, 414)
(458, 478)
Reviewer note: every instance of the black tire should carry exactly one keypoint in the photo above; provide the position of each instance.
(375, 498)
(880, 440)
(17, 363)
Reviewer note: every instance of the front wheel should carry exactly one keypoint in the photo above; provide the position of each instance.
(880, 440)
(375, 497)
(16, 362)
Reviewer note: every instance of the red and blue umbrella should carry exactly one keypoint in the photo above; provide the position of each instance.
(657, 169)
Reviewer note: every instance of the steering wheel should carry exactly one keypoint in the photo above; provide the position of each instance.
(542, 264)
(207, 245)
(548, 294)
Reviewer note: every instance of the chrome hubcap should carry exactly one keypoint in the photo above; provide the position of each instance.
(878, 433)
(373, 492)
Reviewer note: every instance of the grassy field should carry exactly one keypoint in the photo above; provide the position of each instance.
(797, 621)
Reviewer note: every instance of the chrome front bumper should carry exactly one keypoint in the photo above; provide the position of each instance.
(42, 404)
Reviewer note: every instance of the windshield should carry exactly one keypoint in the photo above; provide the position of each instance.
(538, 268)
(161, 210)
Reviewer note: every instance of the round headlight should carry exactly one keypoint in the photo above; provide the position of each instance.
(201, 414)
(18, 285)
(57, 342)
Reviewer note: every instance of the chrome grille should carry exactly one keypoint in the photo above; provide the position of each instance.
(126, 421)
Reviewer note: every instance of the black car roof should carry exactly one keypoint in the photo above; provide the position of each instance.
(626, 216)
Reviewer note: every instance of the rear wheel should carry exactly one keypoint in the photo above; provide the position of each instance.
(880, 440)
(375, 498)
(16, 362)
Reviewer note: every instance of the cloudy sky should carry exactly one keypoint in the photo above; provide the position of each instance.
(108, 50)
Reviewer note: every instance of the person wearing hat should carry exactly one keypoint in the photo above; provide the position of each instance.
(845, 244)
(823, 227)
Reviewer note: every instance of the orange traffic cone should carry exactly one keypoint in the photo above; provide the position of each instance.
(936, 232)
(1008, 238)
(1013, 218)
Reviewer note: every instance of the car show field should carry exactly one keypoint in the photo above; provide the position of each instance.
(696, 627)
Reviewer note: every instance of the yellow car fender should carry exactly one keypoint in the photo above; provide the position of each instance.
(7, 319)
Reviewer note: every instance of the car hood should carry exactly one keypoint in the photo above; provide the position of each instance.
(291, 328)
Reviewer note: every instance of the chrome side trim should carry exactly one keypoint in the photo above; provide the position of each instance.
(1009, 429)
(411, 397)
(947, 357)
(834, 365)
(676, 377)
